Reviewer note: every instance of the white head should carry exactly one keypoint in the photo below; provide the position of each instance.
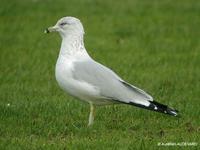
(67, 26)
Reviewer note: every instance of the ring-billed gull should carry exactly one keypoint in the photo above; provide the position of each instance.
(80, 76)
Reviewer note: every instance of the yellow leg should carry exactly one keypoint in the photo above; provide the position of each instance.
(91, 116)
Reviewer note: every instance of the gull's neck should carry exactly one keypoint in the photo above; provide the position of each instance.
(72, 46)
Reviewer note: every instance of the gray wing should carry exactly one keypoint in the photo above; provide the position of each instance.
(110, 85)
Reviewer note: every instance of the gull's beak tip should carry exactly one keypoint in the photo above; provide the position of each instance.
(46, 30)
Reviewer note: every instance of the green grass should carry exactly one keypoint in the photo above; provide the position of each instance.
(152, 44)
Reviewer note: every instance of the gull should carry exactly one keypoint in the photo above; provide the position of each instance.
(84, 78)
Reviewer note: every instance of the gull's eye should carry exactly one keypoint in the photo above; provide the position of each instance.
(64, 23)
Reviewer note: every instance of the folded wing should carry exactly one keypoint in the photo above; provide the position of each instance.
(110, 85)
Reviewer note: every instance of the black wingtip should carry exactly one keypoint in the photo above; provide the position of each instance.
(171, 112)
(163, 109)
(158, 107)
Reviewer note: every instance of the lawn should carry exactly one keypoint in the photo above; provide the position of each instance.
(154, 45)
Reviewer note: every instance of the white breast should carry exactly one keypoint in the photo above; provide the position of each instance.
(64, 77)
